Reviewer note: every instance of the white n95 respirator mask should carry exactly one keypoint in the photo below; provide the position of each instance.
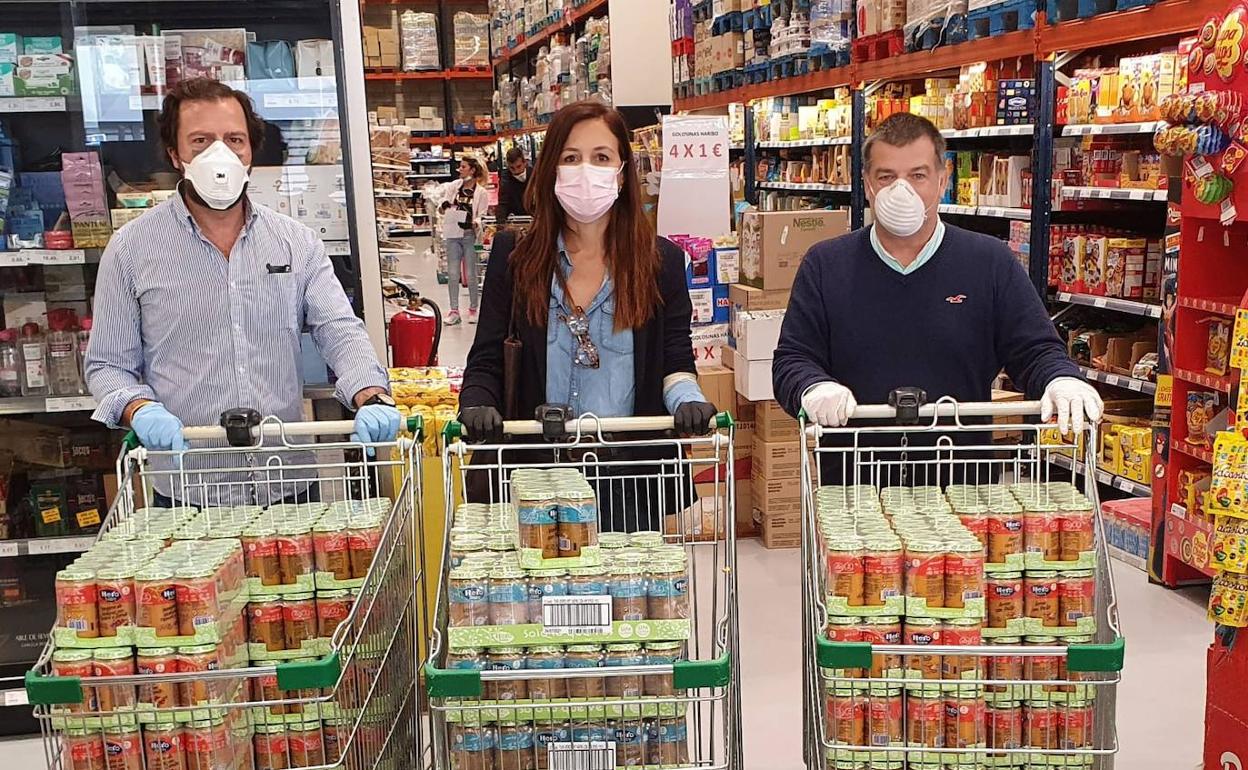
(217, 175)
(899, 209)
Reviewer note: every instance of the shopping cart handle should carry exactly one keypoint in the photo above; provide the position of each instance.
(949, 408)
(590, 424)
(415, 425)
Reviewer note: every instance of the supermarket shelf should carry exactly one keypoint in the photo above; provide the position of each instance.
(826, 141)
(1168, 18)
(1119, 380)
(567, 22)
(804, 186)
(42, 405)
(428, 176)
(1112, 303)
(392, 193)
(985, 131)
(1163, 19)
(1115, 194)
(1130, 486)
(1202, 379)
(1200, 453)
(15, 104)
(406, 233)
(1001, 212)
(24, 257)
(1095, 129)
(453, 139)
(451, 74)
(1226, 306)
(1127, 558)
(42, 546)
(511, 132)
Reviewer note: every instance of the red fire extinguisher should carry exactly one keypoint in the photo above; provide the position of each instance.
(416, 331)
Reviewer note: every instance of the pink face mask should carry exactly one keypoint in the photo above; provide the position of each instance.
(587, 192)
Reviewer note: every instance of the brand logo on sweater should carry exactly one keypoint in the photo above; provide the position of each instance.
(956, 299)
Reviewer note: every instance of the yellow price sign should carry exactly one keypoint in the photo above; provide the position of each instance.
(89, 518)
(50, 515)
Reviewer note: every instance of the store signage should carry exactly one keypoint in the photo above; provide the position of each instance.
(695, 191)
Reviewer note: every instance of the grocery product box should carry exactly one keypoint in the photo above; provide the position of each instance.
(781, 531)
(744, 297)
(35, 45)
(776, 459)
(710, 305)
(44, 75)
(10, 47)
(774, 243)
(757, 332)
(753, 378)
(8, 79)
(744, 419)
(716, 383)
(727, 265)
(772, 423)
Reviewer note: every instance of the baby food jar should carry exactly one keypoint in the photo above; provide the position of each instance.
(543, 583)
(668, 592)
(661, 654)
(114, 661)
(585, 656)
(469, 597)
(506, 659)
(621, 655)
(76, 602)
(114, 598)
(508, 596)
(628, 591)
(545, 658)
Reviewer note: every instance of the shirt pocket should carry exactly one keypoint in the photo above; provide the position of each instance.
(605, 335)
(279, 304)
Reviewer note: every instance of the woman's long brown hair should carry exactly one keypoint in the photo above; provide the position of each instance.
(631, 255)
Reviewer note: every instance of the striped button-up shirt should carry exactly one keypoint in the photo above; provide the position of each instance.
(176, 322)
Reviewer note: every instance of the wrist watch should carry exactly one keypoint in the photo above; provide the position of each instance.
(382, 399)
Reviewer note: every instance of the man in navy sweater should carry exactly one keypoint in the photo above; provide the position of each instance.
(912, 301)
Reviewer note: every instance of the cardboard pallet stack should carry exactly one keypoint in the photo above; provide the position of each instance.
(772, 247)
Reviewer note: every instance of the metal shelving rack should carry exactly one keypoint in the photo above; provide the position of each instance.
(1051, 47)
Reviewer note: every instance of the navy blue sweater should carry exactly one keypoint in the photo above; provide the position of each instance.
(949, 327)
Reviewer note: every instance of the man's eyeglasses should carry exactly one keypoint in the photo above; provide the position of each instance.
(586, 351)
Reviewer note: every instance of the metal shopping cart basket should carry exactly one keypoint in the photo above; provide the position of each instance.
(179, 681)
(631, 663)
(959, 608)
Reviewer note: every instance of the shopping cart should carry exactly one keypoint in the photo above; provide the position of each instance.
(512, 696)
(999, 692)
(352, 702)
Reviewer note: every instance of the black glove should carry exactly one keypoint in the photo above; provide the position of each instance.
(693, 418)
(484, 424)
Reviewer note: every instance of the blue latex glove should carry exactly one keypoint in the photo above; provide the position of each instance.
(158, 429)
(376, 423)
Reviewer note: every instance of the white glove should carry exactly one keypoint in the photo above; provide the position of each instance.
(830, 404)
(1070, 398)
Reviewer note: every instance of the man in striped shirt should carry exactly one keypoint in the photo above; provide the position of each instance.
(200, 304)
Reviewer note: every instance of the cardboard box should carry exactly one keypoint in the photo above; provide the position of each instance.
(772, 423)
(781, 531)
(773, 460)
(757, 333)
(745, 297)
(776, 497)
(718, 386)
(774, 243)
(743, 438)
(753, 379)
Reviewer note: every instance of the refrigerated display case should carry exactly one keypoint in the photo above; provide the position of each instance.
(81, 85)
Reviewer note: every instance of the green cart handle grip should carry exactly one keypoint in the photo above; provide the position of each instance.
(416, 427)
(131, 441)
(1080, 658)
(452, 683)
(44, 690)
(315, 674)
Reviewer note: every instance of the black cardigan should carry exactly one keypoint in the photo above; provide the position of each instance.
(661, 347)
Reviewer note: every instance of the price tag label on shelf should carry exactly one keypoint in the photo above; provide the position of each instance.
(44, 546)
(14, 259)
(59, 257)
(15, 698)
(313, 99)
(8, 550)
(1111, 379)
(70, 404)
(576, 615)
(1100, 302)
(88, 518)
(33, 104)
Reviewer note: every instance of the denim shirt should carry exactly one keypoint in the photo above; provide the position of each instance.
(609, 390)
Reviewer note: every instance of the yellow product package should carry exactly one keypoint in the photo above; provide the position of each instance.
(1228, 602)
(1228, 491)
(1230, 544)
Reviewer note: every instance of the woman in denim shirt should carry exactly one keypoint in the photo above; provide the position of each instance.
(598, 302)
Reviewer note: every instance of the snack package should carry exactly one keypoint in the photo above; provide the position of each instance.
(1228, 602)
(1201, 409)
(1228, 488)
(1230, 544)
(1218, 348)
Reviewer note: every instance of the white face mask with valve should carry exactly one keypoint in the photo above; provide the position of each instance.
(899, 209)
(217, 175)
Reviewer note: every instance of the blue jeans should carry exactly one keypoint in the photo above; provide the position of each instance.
(459, 251)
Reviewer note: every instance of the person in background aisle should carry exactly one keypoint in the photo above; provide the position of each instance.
(200, 303)
(466, 201)
(597, 301)
(912, 301)
(513, 183)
